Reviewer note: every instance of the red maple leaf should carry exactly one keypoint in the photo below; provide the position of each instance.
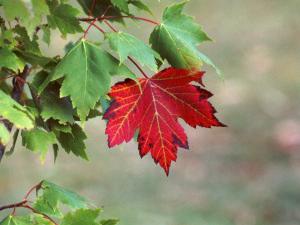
(152, 106)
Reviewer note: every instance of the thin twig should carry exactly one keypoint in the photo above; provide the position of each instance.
(11, 206)
(35, 187)
(119, 17)
(37, 212)
(130, 59)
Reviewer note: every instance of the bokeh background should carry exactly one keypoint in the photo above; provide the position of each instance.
(246, 174)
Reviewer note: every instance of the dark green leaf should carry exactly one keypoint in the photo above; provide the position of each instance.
(63, 17)
(74, 142)
(121, 4)
(87, 72)
(54, 107)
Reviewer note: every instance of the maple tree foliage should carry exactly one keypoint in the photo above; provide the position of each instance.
(153, 106)
(54, 205)
(46, 100)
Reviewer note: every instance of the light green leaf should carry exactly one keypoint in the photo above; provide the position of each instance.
(127, 45)
(4, 134)
(15, 113)
(177, 38)
(7, 39)
(82, 216)
(74, 141)
(15, 9)
(40, 10)
(87, 72)
(48, 201)
(38, 140)
(46, 35)
(63, 17)
(13, 220)
(9, 60)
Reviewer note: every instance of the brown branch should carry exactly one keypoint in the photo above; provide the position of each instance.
(13, 206)
(34, 188)
(18, 87)
(119, 17)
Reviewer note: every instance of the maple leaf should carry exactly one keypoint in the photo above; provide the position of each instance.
(177, 37)
(153, 106)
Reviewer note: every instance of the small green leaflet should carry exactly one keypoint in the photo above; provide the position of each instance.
(4, 134)
(38, 140)
(73, 141)
(121, 4)
(56, 108)
(12, 220)
(15, 9)
(9, 60)
(81, 216)
(177, 38)
(87, 71)
(63, 17)
(15, 113)
(127, 45)
(140, 5)
(40, 9)
(48, 201)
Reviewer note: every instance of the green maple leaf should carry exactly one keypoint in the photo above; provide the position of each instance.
(38, 140)
(15, 9)
(140, 5)
(127, 45)
(55, 107)
(87, 72)
(63, 17)
(177, 38)
(40, 9)
(48, 201)
(9, 60)
(121, 4)
(4, 134)
(15, 113)
(13, 220)
(73, 141)
(81, 216)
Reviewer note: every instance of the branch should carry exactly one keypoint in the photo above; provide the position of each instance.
(12, 206)
(118, 17)
(18, 87)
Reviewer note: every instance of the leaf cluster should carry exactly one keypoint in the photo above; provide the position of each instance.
(61, 93)
(56, 205)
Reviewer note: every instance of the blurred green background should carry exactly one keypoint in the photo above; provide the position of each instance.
(246, 174)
